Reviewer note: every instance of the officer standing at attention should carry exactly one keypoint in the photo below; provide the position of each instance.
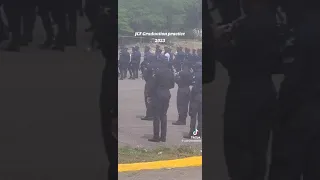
(59, 14)
(158, 52)
(4, 30)
(296, 146)
(195, 107)
(92, 11)
(44, 11)
(124, 61)
(73, 8)
(184, 80)
(109, 94)
(135, 62)
(199, 55)
(179, 58)
(251, 96)
(130, 68)
(162, 80)
(148, 58)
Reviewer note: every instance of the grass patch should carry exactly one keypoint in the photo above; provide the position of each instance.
(132, 155)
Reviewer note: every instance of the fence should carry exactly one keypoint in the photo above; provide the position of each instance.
(173, 43)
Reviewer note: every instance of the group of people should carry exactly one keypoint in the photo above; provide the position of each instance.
(131, 62)
(21, 16)
(253, 47)
(161, 71)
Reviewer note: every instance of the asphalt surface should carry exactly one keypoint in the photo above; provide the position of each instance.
(133, 131)
(49, 115)
(190, 173)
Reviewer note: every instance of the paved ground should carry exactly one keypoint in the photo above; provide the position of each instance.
(50, 128)
(192, 173)
(135, 132)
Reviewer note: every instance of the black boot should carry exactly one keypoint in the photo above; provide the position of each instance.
(179, 122)
(154, 139)
(147, 118)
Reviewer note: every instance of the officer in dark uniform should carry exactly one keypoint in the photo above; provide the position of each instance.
(135, 62)
(124, 61)
(195, 107)
(179, 59)
(91, 10)
(20, 12)
(130, 68)
(158, 52)
(199, 55)
(184, 80)
(194, 55)
(296, 143)
(148, 58)
(157, 48)
(44, 11)
(109, 94)
(208, 28)
(251, 96)
(59, 11)
(188, 60)
(162, 81)
(4, 30)
(73, 8)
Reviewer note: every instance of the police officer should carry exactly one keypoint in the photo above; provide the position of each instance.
(199, 55)
(251, 95)
(59, 11)
(148, 58)
(124, 61)
(184, 80)
(158, 52)
(296, 143)
(157, 48)
(135, 62)
(73, 8)
(109, 94)
(4, 30)
(130, 68)
(44, 11)
(195, 107)
(91, 10)
(188, 60)
(161, 82)
(179, 58)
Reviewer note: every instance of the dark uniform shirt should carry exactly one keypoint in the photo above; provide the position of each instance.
(184, 78)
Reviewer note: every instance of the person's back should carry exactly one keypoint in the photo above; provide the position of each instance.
(251, 95)
(296, 144)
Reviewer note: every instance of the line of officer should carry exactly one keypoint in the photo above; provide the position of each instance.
(21, 15)
(124, 61)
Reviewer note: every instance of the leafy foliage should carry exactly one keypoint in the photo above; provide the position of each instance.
(159, 15)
